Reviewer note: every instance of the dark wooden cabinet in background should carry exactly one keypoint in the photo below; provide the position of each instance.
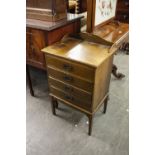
(122, 13)
(40, 34)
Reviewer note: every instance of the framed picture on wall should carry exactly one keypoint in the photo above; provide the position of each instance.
(100, 12)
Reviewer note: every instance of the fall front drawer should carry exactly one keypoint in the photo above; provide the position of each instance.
(70, 79)
(74, 91)
(71, 67)
(70, 98)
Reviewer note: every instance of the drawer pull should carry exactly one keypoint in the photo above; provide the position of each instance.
(67, 67)
(69, 98)
(69, 89)
(68, 78)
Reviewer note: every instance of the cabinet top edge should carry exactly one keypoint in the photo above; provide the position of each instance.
(48, 26)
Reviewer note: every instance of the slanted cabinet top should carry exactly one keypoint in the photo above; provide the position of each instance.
(82, 51)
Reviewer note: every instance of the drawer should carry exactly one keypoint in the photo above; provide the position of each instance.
(67, 78)
(70, 67)
(69, 98)
(78, 93)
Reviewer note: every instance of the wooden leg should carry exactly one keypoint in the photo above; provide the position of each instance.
(105, 105)
(29, 80)
(90, 117)
(53, 105)
(117, 75)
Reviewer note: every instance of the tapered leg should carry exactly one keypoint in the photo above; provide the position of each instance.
(29, 80)
(53, 105)
(105, 105)
(90, 117)
(116, 74)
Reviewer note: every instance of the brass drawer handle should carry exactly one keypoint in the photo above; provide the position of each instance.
(67, 97)
(69, 89)
(67, 67)
(68, 78)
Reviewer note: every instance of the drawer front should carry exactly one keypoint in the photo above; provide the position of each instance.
(71, 67)
(69, 98)
(85, 85)
(78, 93)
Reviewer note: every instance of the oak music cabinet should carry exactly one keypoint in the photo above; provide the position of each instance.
(79, 67)
(79, 74)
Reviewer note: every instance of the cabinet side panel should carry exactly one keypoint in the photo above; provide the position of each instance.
(102, 81)
(35, 41)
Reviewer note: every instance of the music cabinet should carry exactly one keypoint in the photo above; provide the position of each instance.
(79, 67)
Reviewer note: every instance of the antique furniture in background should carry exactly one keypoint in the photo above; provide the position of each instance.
(101, 23)
(122, 13)
(79, 70)
(48, 10)
(42, 33)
